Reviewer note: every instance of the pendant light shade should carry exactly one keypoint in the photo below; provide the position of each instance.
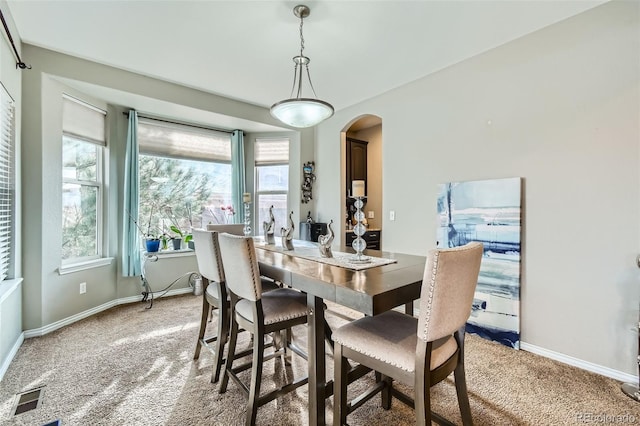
(302, 112)
(298, 111)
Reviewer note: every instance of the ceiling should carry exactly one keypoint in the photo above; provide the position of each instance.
(243, 49)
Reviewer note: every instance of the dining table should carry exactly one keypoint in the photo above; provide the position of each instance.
(367, 288)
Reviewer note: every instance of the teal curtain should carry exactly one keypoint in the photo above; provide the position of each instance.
(237, 173)
(131, 259)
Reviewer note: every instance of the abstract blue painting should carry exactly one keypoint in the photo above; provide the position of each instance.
(487, 211)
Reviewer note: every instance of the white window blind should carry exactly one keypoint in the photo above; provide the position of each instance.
(7, 180)
(271, 151)
(174, 140)
(83, 120)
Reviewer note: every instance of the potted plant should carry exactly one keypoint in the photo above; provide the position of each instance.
(152, 245)
(164, 241)
(179, 234)
(177, 241)
(151, 241)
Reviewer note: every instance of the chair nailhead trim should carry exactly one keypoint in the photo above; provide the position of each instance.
(216, 249)
(253, 272)
(432, 284)
(371, 355)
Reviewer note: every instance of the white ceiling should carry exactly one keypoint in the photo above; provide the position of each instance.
(243, 49)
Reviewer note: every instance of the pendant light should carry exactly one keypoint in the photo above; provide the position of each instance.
(301, 112)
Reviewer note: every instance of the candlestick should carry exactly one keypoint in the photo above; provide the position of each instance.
(357, 188)
(359, 244)
(247, 216)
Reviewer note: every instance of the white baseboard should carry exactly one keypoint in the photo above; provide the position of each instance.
(36, 332)
(12, 353)
(585, 365)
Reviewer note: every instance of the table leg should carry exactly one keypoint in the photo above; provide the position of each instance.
(317, 362)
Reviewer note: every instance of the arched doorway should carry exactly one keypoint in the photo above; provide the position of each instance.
(362, 160)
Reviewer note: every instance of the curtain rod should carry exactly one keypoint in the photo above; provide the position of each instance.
(182, 123)
(19, 63)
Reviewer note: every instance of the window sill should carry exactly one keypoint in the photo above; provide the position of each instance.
(7, 287)
(82, 266)
(169, 253)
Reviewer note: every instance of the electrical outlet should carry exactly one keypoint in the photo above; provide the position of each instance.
(392, 215)
(370, 214)
(83, 288)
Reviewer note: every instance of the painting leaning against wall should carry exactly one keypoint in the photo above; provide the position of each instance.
(487, 211)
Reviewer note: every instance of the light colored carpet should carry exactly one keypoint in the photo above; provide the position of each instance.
(132, 366)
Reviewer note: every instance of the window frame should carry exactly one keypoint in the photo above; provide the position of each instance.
(100, 143)
(169, 152)
(99, 185)
(8, 177)
(257, 165)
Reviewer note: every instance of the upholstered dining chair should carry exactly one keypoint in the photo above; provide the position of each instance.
(259, 313)
(418, 352)
(215, 292)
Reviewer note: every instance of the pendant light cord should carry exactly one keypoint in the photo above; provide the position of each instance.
(297, 73)
(301, 36)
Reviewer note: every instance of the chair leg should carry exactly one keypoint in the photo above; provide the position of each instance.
(223, 332)
(423, 401)
(231, 351)
(463, 397)
(327, 334)
(203, 326)
(386, 392)
(341, 368)
(286, 340)
(256, 379)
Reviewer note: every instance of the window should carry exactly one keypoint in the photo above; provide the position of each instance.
(7, 181)
(83, 142)
(272, 180)
(185, 176)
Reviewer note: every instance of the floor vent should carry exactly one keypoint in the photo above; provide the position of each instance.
(27, 401)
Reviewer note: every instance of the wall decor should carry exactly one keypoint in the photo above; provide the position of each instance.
(487, 211)
(308, 177)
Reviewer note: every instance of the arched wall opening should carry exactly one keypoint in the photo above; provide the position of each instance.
(361, 141)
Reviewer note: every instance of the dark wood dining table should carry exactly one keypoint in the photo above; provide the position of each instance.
(370, 291)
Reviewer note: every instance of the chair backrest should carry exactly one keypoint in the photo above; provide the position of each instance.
(241, 266)
(208, 255)
(208, 250)
(449, 282)
(231, 228)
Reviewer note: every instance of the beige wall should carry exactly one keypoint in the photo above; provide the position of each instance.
(559, 108)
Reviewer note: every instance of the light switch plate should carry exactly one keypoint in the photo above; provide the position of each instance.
(392, 215)
(370, 214)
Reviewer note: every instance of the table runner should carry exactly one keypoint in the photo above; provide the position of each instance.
(310, 251)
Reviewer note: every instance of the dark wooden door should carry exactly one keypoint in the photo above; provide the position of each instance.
(356, 162)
